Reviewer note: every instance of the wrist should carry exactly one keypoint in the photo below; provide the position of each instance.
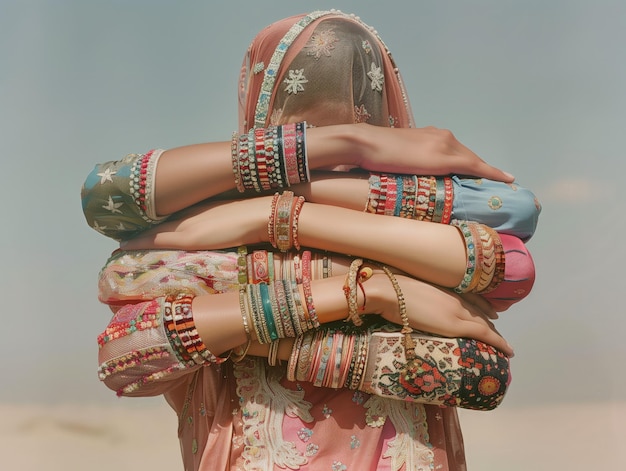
(331, 146)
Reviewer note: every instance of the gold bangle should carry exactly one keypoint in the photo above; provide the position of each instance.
(237, 357)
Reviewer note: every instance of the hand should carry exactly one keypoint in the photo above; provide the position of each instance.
(209, 226)
(422, 151)
(435, 310)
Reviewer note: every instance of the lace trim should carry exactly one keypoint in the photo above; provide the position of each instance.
(411, 446)
(264, 403)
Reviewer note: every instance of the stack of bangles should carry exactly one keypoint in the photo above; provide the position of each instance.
(181, 331)
(282, 227)
(274, 309)
(270, 158)
(411, 197)
(332, 358)
(485, 258)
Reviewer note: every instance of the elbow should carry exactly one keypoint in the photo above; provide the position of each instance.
(519, 275)
(522, 215)
(484, 385)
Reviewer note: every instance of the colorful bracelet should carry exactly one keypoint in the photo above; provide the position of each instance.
(270, 158)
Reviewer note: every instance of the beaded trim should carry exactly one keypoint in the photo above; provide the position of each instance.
(141, 182)
(271, 72)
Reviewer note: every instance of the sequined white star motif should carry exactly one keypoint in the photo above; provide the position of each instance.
(376, 76)
(295, 81)
(106, 175)
(112, 206)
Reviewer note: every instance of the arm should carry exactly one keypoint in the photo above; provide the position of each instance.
(394, 241)
(167, 182)
(140, 356)
(508, 208)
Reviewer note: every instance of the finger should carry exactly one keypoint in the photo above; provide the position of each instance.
(488, 334)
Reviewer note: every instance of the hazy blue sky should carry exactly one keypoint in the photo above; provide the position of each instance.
(535, 87)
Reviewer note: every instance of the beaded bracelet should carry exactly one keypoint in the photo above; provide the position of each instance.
(181, 321)
(470, 251)
(411, 197)
(270, 158)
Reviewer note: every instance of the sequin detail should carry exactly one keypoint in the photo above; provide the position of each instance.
(295, 81)
(321, 43)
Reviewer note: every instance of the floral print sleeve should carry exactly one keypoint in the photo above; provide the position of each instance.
(142, 349)
(118, 198)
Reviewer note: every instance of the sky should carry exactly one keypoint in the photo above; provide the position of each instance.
(534, 87)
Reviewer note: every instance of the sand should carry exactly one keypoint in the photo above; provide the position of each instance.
(130, 436)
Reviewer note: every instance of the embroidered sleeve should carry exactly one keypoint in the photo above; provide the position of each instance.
(118, 197)
(148, 345)
(506, 207)
(445, 371)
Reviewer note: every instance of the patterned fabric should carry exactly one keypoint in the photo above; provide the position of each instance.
(506, 207)
(326, 59)
(248, 412)
(246, 415)
(453, 372)
(117, 196)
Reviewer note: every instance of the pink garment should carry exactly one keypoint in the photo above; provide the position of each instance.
(326, 429)
(519, 275)
(246, 415)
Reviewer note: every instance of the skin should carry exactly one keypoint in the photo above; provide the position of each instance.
(190, 174)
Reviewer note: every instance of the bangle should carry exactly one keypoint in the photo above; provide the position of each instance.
(273, 353)
(470, 250)
(239, 353)
(306, 288)
(350, 292)
(234, 153)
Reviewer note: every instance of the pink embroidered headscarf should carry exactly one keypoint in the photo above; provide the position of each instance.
(324, 59)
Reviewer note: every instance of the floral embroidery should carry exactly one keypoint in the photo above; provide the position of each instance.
(366, 46)
(354, 442)
(358, 397)
(305, 434)
(295, 81)
(361, 115)
(311, 449)
(321, 42)
(392, 121)
(444, 372)
(327, 411)
(338, 466)
(495, 203)
(376, 76)
(488, 386)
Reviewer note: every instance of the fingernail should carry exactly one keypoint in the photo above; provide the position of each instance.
(512, 177)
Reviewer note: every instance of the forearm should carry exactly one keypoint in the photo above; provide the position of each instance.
(190, 174)
(237, 324)
(431, 252)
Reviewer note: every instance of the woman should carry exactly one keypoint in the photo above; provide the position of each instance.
(245, 414)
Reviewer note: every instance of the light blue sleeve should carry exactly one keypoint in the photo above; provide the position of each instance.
(506, 207)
